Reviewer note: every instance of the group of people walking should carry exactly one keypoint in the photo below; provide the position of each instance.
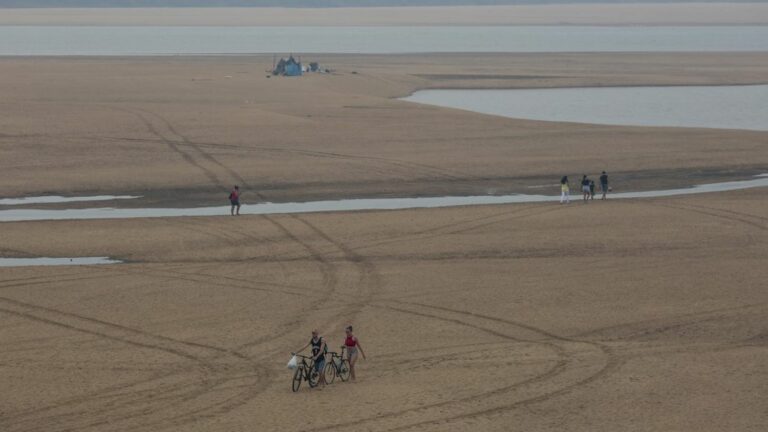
(587, 188)
(320, 349)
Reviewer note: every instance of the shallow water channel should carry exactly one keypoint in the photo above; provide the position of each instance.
(352, 204)
(44, 261)
(56, 199)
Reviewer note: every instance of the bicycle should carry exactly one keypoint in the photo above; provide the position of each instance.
(337, 366)
(305, 372)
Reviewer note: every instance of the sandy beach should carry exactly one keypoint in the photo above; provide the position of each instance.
(648, 316)
(641, 314)
(183, 130)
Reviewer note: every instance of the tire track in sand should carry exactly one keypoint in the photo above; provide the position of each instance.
(330, 282)
(369, 281)
(567, 374)
(36, 281)
(198, 150)
(72, 420)
(120, 404)
(174, 140)
(759, 222)
(595, 350)
(173, 145)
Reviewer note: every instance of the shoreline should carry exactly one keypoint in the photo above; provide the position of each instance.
(759, 23)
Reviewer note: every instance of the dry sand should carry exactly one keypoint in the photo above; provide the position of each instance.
(183, 130)
(646, 315)
(559, 14)
(638, 315)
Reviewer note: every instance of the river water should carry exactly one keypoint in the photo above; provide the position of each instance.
(127, 40)
(725, 107)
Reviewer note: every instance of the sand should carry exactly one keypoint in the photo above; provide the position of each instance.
(608, 316)
(182, 131)
(646, 315)
(556, 14)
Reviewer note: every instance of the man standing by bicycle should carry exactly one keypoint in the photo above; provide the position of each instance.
(319, 349)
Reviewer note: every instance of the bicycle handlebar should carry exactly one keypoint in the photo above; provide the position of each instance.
(303, 356)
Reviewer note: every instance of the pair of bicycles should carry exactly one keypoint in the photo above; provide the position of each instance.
(306, 371)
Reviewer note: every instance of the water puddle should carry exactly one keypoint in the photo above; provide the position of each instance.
(29, 262)
(55, 199)
(352, 204)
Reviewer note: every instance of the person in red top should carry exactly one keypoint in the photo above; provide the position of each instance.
(352, 345)
(234, 199)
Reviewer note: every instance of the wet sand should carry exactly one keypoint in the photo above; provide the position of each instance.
(617, 315)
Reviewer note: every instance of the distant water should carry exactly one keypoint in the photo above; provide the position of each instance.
(73, 40)
(724, 107)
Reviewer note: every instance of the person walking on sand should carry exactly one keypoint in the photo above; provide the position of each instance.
(591, 189)
(604, 184)
(565, 191)
(352, 345)
(585, 188)
(319, 349)
(234, 199)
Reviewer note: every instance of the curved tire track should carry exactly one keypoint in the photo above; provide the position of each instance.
(560, 345)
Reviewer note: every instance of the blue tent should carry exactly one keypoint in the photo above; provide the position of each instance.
(292, 69)
(289, 67)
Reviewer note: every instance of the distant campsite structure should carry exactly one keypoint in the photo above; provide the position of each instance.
(293, 67)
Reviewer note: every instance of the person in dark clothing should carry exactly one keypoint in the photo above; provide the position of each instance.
(591, 189)
(319, 349)
(585, 188)
(604, 184)
(234, 199)
(565, 191)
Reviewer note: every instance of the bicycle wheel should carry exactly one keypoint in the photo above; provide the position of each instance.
(314, 377)
(344, 370)
(297, 377)
(330, 372)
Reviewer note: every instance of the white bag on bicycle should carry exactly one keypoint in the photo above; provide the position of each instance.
(293, 363)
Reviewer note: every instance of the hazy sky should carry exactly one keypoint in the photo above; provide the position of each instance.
(312, 3)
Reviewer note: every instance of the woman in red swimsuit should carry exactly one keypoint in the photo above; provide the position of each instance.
(353, 345)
